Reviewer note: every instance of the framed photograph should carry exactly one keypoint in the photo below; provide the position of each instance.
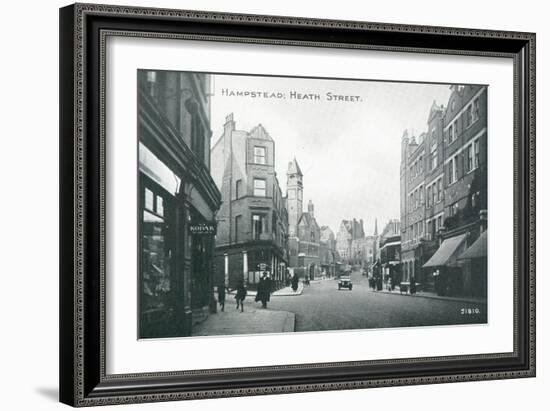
(261, 204)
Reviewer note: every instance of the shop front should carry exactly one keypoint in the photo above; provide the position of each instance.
(444, 268)
(176, 231)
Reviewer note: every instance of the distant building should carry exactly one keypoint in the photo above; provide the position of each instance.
(349, 241)
(328, 255)
(252, 221)
(444, 195)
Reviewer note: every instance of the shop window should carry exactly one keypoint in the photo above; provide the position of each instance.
(154, 264)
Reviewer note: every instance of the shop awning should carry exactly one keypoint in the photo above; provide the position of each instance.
(390, 244)
(478, 249)
(447, 252)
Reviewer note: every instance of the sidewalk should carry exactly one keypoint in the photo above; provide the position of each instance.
(283, 292)
(251, 321)
(318, 281)
(426, 294)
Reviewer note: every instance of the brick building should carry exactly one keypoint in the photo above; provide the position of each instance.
(177, 202)
(444, 195)
(252, 221)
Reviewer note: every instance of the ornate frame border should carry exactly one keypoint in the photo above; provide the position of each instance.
(82, 287)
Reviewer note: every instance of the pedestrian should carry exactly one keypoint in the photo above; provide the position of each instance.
(221, 296)
(295, 283)
(241, 295)
(412, 287)
(264, 290)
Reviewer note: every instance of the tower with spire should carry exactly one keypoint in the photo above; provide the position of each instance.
(295, 195)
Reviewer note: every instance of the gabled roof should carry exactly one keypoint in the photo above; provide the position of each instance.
(294, 168)
(434, 110)
(260, 132)
(308, 219)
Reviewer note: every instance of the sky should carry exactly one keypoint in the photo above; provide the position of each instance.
(349, 151)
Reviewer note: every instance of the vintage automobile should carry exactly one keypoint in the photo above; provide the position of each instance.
(345, 282)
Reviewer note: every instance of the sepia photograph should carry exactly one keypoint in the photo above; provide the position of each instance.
(271, 204)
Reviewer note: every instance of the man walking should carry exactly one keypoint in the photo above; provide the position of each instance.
(241, 295)
(221, 296)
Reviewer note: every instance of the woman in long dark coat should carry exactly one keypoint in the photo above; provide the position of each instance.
(264, 290)
(294, 283)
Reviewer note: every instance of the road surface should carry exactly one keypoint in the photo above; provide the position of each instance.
(323, 307)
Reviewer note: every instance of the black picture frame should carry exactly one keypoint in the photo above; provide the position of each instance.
(83, 29)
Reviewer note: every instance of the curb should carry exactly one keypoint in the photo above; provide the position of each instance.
(290, 323)
(273, 294)
(434, 297)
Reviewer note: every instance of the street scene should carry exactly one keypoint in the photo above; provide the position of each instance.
(281, 204)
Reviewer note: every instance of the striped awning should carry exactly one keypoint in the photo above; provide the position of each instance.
(447, 252)
(478, 249)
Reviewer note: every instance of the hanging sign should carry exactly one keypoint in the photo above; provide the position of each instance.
(202, 228)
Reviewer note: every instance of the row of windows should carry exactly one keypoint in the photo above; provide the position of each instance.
(471, 114)
(260, 188)
(416, 198)
(471, 161)
(259, 227)
(197, 127)
(416, 230)
(416, 168)
(434, 192)
(434, 225)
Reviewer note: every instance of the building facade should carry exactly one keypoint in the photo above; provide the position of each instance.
(350, 241)
(328, 255)
(252, 221)
(304, 231)
(390, 252)
(177, 202)
(443, 195)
